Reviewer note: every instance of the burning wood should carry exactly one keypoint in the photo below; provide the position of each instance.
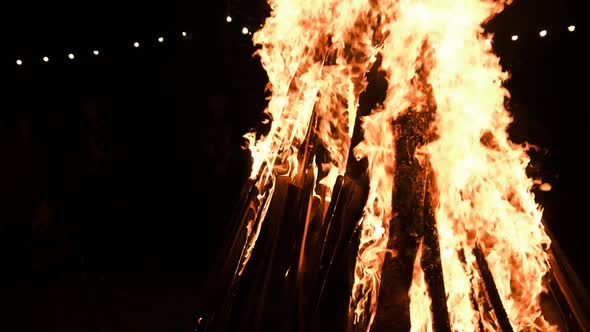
(492, 290)
(442, 227)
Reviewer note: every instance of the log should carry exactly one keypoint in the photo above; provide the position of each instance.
(472, 291)
(492, 290)
(339, 256)
(413, 211)
(432, 265)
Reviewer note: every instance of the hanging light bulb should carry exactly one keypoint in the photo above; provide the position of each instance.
(244, 30)
(514, 37)
(228, 19)
(543, 33)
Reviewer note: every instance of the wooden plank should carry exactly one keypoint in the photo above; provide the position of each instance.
(432, 265)
(492, 290)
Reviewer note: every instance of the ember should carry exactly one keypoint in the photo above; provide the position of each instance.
(408, 212)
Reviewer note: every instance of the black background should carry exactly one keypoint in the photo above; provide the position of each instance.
(127, 173)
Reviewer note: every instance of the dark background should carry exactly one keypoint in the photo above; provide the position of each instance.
(127, 164)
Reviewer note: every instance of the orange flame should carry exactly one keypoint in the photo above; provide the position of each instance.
(378, 148)
(316, 53)
(315, 59)
(420, 304)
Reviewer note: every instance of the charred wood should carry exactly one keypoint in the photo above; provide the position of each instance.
(492, 290)
(472, 291)
(338, 256)
(432, 266)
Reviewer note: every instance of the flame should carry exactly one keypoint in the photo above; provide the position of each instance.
(316, 54)
(315, 58)
(421, 316)
(485, 195)
(378, 148)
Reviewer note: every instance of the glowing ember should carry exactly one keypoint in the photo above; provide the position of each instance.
(316, 54)
(545, 187)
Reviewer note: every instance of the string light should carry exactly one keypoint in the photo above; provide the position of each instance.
(246, 31)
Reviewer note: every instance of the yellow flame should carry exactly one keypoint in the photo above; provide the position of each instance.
(316, 54)
(421, 316)
(378, 148)
(485, 195)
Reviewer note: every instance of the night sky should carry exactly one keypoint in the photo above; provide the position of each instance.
(115, 159)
